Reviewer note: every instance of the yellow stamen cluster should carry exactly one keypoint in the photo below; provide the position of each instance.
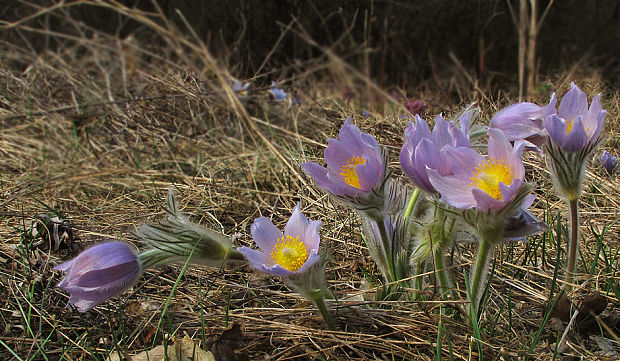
(489, 174)
(350, 174)
(570, 124)
(289, 253)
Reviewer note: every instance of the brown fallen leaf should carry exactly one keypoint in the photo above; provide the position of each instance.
(562, 309)
(183, 349)
(591, 306)
(227, 346)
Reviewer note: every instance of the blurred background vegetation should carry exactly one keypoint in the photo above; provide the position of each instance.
(401, 43)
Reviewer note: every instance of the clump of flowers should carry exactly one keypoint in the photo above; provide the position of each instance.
(457, 191)
(568, 138)
(489, 191)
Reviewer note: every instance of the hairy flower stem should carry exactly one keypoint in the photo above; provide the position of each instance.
(411, 204)
(388, 248)
(479, 272)
(443, 278)
(419, 282)
(319, 300)
(573, 245)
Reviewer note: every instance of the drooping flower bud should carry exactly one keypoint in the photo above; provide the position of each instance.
(100, 273)
(176, 238)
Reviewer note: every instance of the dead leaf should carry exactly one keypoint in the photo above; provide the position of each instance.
(227, 346)
(607, 346)
(562, 309)
(183, 349)
(591, 306)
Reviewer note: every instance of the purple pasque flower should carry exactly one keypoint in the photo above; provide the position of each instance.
(355, 164)
(478, 182)
(416, 107)
(277, 93)
(284, 254)
(576, 126)
(240, 89)
(608, 161)
(524, 121)
(99, 273)
(423, 149)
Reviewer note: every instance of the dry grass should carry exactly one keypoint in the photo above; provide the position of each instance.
(97, 131)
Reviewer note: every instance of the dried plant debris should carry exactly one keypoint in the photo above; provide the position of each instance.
(49, 233)
(183, 349)
(229, 345)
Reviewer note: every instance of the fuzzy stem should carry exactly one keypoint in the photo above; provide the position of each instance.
(573, 246)
(387, 247)
(479, 272)
(443, 278)
(419, 281)
(445, 238)
(411, 204)
(319, 301)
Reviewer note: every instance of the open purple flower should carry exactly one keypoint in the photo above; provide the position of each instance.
(425, 150)
(575, 125)
(478, 182)
(355, 164)
(524, 121)
(99, 273)
(608, 161)
(277, 93)
(284, 254)
(240, 89)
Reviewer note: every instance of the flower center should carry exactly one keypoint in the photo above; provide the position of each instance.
(570, 124)
(489, 174)
(349, 173)
(289, 253)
